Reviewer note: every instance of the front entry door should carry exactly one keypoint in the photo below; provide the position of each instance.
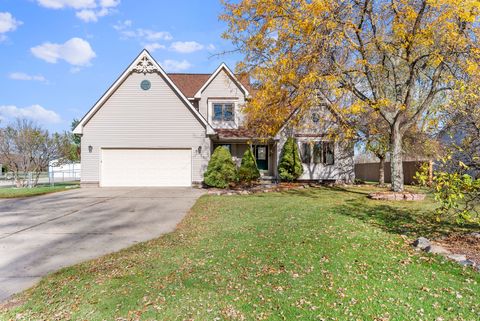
(261, 156)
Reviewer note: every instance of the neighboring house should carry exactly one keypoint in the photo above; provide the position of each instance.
(157, 129)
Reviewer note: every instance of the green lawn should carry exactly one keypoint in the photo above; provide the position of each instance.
(313, 254)
(13, 192)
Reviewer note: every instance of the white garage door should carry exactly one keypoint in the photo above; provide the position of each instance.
(146, 167)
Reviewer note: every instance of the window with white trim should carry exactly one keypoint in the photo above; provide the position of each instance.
(223, 112)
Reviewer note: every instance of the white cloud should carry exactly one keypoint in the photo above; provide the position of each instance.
(151, 35)
(87, 10)
(122, 25)
(25, 76)
(7, 24)
(87, 15)
(75, 51)
(109, 3)
(34, 112)
(144, 35)
(60, 4)
(175, 65)
(154, 46)
(92, 16)
(186, 46)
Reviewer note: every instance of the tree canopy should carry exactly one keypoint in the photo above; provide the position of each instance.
(400, 61)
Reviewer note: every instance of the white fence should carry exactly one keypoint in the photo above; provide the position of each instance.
(51, 178)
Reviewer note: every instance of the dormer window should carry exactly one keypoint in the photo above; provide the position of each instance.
(223, 112)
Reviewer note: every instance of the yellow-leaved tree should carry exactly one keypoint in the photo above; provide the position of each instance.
(399, 61)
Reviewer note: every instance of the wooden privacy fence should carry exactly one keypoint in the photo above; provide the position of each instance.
(369, 171)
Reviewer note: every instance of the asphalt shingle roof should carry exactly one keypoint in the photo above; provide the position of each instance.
(190, 83)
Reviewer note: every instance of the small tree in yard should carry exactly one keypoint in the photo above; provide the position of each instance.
(26, 147)
(74, 154)
(456, 179)
(248, 171)
(221, 170)
(290, 167)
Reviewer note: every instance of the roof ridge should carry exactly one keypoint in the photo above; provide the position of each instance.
(187, 73)
(197, 73)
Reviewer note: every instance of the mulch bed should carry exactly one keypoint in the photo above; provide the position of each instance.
(259, 188)
(467, 244)
(397, 196)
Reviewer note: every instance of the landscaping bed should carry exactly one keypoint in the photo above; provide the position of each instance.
(466, 244)
(396, 196)
(259, 188)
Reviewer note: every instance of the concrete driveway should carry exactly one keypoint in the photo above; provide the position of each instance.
(39, 235)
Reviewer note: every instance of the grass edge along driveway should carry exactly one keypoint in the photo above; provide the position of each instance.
(311, 254)
(14, 192)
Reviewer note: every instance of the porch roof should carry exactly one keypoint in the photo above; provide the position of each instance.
(241, 133)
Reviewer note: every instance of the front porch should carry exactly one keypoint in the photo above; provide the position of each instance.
(264, 152)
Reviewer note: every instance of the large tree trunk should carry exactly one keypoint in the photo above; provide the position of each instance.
(396, 157)
(381, 172)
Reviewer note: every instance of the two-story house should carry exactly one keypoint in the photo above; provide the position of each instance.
(153, 128)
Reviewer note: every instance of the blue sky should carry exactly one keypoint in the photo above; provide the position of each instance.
(59, 56)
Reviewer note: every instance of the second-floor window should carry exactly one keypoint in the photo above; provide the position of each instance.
(223, 112)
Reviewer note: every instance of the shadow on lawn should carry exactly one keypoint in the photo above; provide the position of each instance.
(409, 218)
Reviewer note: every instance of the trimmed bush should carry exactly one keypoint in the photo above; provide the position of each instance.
(221, 170)
(248, 171)
(290, 167)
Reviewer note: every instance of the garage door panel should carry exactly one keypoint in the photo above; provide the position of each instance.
(146, 167)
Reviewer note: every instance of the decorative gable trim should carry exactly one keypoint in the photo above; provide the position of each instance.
(223, 66)
(144, 63)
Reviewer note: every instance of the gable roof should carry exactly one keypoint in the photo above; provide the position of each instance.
(189, 84)
(143, 63)
(223, 66)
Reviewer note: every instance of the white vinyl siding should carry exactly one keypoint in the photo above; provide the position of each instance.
(222, 89)
(146, 167)
(320, 166)
(134, 118)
